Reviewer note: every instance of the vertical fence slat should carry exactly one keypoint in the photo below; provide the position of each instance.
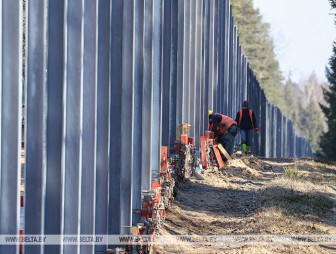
(103, 121)
(156, 92)
(180, 63)
(147, 95)
(89, 104)
(127, 118)
(35, 106)
(165, 65)
(192, 68)
(186, 63)
(55, 77)
(73, 121)
(10, 130)
(206, 59)
(173, 74)
(137, 107)
(115, 113)
(199, 111)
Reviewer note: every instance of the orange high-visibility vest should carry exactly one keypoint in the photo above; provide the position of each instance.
(241, 116)
(225, 124)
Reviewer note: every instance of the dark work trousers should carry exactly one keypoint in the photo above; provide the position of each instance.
(246, 136)
(227, 139)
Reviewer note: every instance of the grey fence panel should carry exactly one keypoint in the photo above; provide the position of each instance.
(270, 131)
(206, 33)
(204, 95)
(220, 56)
(286, 149)
(165, 65)
(215, 56)
(211, 89)
(273, 131)
(244, 89)
(294, 146)
(72, 166)
(199, 111)
(237, 98)
(10, 122)
(180, 62)
(290, 138)
(1, 63)
(224, 70)
(103, 121)
(156, 96)
(126, 181)
(227, 26)
(262, 112)
(116, 21)
(173, 74)
(137, 108)
(279, 131)
(234, 72)
(192, 68)
(231, 64)
(186, 63)
(283, 136)
(147, 95)
(54, 119)
(107, 84)
(35, 112)
(89, 102)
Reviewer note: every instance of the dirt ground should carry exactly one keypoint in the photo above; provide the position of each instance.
(255, 196)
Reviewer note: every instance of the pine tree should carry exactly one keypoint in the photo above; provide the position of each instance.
(258, 46)
(328, 140)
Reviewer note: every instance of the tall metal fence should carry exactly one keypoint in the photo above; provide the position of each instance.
(106, 84)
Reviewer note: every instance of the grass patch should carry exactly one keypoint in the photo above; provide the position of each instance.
(292, 173)
(317, 202)
(277, 220)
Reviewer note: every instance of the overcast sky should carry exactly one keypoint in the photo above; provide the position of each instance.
(303, 33)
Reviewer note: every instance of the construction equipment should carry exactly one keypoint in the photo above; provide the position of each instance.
(184, 157)
(206, 153)
(173, 170)
(211, 153)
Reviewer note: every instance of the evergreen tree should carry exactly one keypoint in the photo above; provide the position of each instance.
(328, 140)
(258, 46)
(299, 102)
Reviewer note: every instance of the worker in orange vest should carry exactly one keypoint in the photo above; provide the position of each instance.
(225, 129)
(246, 124)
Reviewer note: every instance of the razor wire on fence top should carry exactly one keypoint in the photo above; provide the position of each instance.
(107, 82)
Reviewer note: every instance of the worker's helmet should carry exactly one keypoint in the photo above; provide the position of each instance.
(245, 104)
(210, 113)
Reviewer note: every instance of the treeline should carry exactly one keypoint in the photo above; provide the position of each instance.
(328, 140)
(299, 102)
(303, 107)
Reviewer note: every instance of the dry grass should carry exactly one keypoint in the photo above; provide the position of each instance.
(249, 198)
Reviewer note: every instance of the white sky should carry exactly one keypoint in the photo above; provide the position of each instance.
(303, 33)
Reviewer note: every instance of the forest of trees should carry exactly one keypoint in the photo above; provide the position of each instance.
(258, 46)
(295, 100)
(302, 106)
(328, 140)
